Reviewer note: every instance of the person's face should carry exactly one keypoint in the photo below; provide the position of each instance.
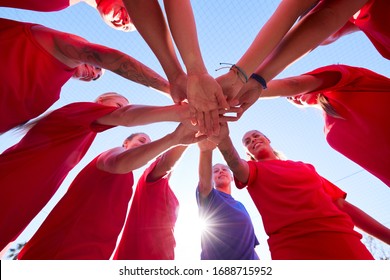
(114, 101)
(221, 175)
(138, 140)
(87, 73)
(256, 144)
(115, 15)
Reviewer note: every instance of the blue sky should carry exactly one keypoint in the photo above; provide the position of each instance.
(225, 30)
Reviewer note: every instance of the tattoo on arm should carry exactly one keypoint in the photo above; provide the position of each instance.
(112, 60)
(232, 158)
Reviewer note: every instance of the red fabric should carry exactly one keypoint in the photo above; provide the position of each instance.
(373, 20)
(32, 170)
(31, 77)
(148, 233)
(86, 222)
(362, 98)
(296, 207)
(36, 5)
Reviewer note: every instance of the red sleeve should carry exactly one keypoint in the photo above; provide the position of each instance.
(252, 176)
(332, 190)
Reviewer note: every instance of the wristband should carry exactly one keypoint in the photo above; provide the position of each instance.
(259, 79)
(239, 71)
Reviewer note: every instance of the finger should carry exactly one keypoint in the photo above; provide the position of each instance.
(229, 118)
(244, 107)
(193, 115)
(222, 100)
(201, 123)
(208, 123)
(200, 138)
(234, 102)
(230, 110)
(215, 122)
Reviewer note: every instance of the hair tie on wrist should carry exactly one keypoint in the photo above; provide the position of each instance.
(259, 79)
(239, 70)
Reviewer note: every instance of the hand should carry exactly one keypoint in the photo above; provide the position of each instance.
(206, 145)
(223, 134)
(231, 85)
(185, 134)
(115, 15)
(205, 98)
(178, 88)
(248, 95)
(228, 115)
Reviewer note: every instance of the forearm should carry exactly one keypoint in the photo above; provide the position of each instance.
(306, 35)
(205, 172)
(183, 28)
(137, 157)
(365, 222)
(123, 65)
(150, 23)
(167, 162)
(238, 166)
(134, 115)
(291, 86)
(272, 33)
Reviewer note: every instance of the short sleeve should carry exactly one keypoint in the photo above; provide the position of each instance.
(252, 176)
(332, 190)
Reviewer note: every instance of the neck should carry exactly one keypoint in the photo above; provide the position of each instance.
(224, 188)
(269, 155)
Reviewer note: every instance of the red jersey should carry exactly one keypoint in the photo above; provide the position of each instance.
(148, 233)
(361, 97)
(36, 5)
(297, 208)
(33, 169)
(31, 77)
(373, 20)
(86, 222)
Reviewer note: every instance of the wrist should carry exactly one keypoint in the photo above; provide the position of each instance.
(183, 111)
(259, 79)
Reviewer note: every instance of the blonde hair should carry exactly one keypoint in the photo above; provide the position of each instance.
(131, 136)
(109, 95)
(323, 101)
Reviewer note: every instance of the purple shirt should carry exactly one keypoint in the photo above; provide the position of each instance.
(229, 233)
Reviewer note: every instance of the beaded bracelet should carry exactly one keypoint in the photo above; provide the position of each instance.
(239, 70)
(259, 79)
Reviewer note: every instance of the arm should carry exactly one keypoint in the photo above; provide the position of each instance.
(73, 51)
(120, 161)
(238, 166)
(134, 115)
(364, 221)
(203, 92)
(272, 32)
(348, 28)
(309, 33)
(205, 185)
(166, 163)
(150, 23)
(287, 87)
(306, 35)
(252, 90)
